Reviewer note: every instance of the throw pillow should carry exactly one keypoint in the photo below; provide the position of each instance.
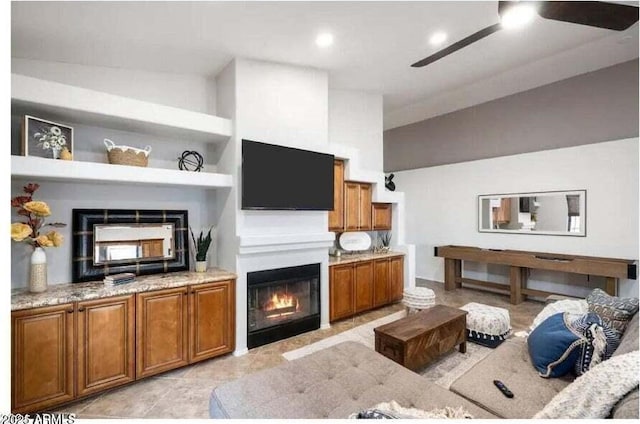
(574, 306)
(394, 410)
(602, 341)
(615, 311)
(553, 346)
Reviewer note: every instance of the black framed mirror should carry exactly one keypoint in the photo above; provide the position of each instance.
(110, 241)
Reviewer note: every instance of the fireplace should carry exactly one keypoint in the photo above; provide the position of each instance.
(282, 303)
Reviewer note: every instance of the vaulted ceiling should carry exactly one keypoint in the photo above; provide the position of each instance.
(375, 42)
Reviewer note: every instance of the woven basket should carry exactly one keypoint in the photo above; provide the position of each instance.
(126, 155)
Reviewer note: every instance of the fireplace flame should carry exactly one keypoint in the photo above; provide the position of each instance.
(281, 304)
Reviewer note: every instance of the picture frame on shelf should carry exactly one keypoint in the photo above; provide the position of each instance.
(46, 139)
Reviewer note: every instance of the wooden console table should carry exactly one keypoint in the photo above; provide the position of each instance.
(521, 261)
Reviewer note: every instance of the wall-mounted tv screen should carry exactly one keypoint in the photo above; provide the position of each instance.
(283, 178)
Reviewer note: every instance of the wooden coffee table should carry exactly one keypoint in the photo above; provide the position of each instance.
(419, 338)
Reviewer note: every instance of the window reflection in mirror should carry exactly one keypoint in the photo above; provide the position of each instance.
(556, 213)
(119, 243)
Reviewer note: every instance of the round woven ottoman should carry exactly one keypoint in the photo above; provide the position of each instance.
(418, 298)
(487, 325)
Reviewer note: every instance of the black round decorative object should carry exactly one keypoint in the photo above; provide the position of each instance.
(389, 184)
(190, 161)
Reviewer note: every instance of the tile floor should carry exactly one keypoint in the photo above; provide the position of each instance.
(184, 393)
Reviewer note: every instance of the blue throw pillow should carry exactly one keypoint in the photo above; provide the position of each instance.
(554, 347)
(602, 341)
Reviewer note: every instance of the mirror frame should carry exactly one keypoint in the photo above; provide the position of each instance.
(83, 242)
(582, 192)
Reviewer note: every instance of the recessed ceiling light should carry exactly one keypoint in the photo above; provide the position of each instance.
(438, 38)
(324, 39)
(517, 16)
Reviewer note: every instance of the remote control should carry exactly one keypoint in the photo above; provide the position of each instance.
(500, 385)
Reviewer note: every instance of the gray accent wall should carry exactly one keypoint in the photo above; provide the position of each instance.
(589, 108)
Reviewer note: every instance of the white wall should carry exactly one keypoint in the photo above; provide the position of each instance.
(63, 197)
(191, 92)
(441, 206)
(355, 120)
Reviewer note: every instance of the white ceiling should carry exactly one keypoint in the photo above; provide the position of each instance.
(375, 42)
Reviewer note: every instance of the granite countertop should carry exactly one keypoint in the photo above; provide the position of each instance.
(58, 294)
(348, 258)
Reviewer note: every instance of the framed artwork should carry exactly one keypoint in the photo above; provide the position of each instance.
(45, 139)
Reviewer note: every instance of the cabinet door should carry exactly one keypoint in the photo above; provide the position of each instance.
(161, 331)
(211, 320)
(397, 278)
(381, 216)
(341, 292)
(381, 285)
(336, 216)
(42, 357)
(351, 206)
(365, 207)
(106, 334)
(363, 286)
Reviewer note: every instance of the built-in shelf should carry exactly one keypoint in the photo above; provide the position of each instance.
(61, 102)
(102, 173)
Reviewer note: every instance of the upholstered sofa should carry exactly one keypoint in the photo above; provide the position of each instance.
(349, 377)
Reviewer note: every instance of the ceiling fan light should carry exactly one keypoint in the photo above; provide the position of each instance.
(438, 38)
(517, 16)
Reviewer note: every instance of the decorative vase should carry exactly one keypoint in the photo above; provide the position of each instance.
(56, 152)
(201, 266)
(38, 275)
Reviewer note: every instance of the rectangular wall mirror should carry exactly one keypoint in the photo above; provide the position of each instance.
(111, 241)
(552, 212)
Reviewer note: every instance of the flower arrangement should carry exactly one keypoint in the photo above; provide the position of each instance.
(202, 244)
(35, 213)
(52, 139)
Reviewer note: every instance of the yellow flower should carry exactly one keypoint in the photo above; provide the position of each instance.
(38, 208)
(56, 238)
(20, 231)
(43, 241)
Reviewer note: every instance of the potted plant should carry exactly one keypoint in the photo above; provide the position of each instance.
(385, 240)
(201, 246)
(29, 230)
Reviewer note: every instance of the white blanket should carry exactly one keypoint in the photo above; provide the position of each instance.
(595, 393)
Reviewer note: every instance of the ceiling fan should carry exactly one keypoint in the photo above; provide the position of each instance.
(598, 14)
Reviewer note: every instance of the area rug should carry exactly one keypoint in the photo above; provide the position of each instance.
(442, 372)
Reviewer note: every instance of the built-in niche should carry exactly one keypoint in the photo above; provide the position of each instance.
(111, 241)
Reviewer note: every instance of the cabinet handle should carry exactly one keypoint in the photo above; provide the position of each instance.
(69, 311)
(185, 293)
(81, 310)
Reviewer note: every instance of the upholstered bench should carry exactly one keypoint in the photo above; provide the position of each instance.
(487, 325)
(331, 383)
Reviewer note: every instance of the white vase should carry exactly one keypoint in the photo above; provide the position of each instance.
(38, 274)
(55, 151)
(201, 266)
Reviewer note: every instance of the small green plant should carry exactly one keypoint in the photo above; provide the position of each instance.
(202, 244)
(385, 238)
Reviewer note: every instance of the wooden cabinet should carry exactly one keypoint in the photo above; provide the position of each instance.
(357, 205)
(502, 214)
(363, 286)
(161, 329)
(106, 343)
(211, 320)
(396, 289)
(42, 357)
(360, 286)
(152, 248)
(60, 353)
(381, 287)
(341, 292)
(336, 216)
(381, 216)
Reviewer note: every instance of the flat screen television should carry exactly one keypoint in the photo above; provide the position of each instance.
(283, 178)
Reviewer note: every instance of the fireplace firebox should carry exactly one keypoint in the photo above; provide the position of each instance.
(282, 303)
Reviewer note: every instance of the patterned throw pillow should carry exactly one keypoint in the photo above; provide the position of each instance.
(554, 347)
(578, 307)
(602, 341)
(616, 312)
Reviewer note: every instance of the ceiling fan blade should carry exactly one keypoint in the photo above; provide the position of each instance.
(593, 13)
(458, 45)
